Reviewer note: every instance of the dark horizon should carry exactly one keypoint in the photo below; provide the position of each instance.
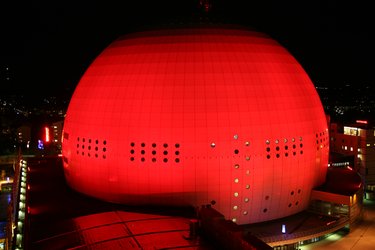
(49, 46)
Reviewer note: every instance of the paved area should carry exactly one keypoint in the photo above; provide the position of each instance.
(294, 224)
(361, 237)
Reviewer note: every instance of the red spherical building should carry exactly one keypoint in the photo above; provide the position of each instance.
(193, 116)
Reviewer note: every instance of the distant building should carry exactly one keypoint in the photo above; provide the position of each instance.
(50, 138)
(354, 145)
(24, 136)
(56, 134)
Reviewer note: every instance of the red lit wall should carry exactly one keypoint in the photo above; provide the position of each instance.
(222, 116)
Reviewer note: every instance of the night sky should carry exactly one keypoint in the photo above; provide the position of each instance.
(47, 45)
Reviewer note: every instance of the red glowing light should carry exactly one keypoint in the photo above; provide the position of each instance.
(362, 121)
(220, 116)
(46, 134)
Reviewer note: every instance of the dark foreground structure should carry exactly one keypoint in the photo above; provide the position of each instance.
(60, 218)
(56, 217)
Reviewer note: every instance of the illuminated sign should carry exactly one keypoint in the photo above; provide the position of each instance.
(40, 144)
(283, 228)
(361, 121)
(46, 133)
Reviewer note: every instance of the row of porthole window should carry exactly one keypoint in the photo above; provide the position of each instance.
(321, 140)
(265, 210)
(237, 166)
(90, 141)
(235, 207)
(286, 154)
(246, 200)
(277, 141)
(267, 197)
(246, 143)
(236, 180)
(268, 149)
(89, 154)
(320, 134)
(236, 194)
(321, 146)
(154, 145)
(165, 160)
(298, 191)
(236, 151)
(290, 204)
(277, 148)
(104, 149)
(165, 152)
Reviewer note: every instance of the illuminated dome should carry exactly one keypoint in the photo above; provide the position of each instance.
(194, 116)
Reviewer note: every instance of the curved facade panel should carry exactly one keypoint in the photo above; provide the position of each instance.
(196, 116)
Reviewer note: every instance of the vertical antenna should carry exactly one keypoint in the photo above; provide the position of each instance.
(205, 6)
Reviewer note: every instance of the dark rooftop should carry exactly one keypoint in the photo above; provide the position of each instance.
(62, 218)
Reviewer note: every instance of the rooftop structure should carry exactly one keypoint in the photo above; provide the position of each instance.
(354, 145)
